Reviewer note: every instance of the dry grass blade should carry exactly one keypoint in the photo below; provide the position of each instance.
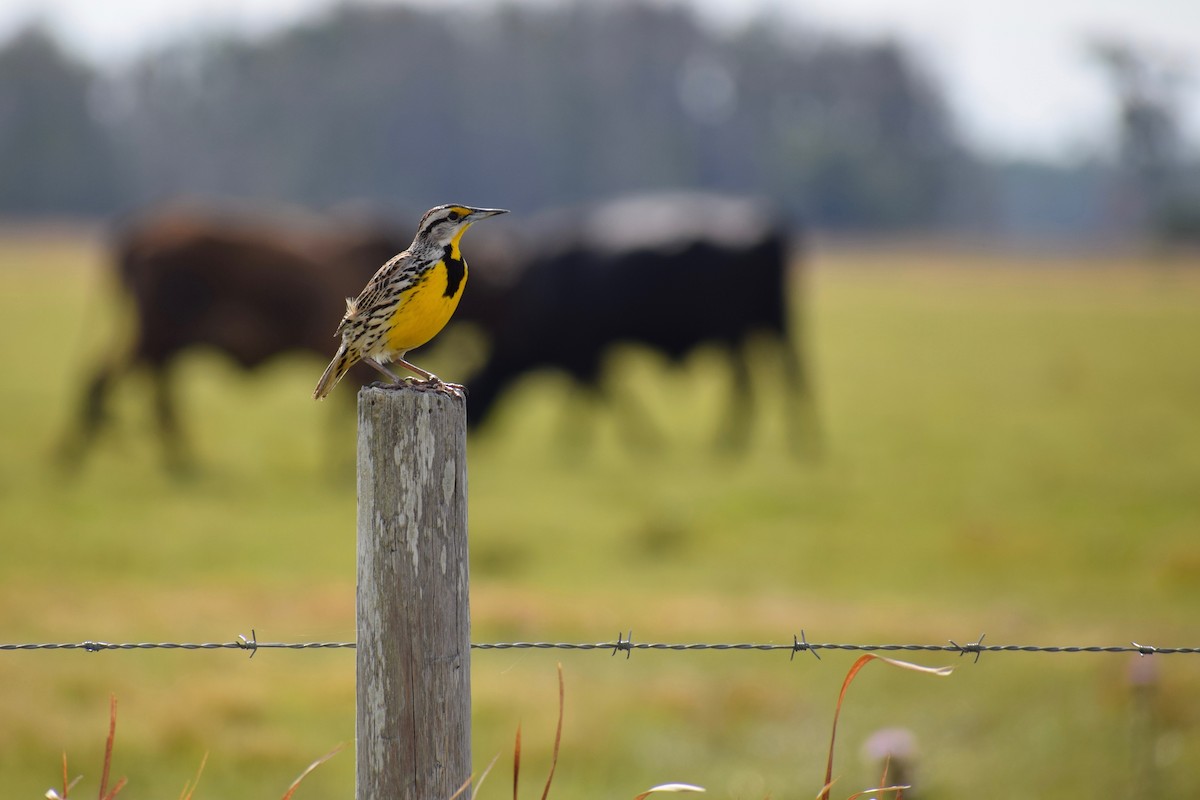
(897, 789)
(557, 734)
(105, 794)
(483, 777)
(940, 672)
(190, 789)
(120, 785)
(463, 787)
(854, 670)
(670, 787)
(291, 789)
(52, 794)
(479, 785)
(517, 762)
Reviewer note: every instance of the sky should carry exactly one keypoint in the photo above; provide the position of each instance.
(1016, 73)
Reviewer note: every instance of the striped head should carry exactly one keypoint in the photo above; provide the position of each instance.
(443, 226)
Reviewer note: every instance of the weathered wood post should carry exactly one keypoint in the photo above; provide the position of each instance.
(414, 657)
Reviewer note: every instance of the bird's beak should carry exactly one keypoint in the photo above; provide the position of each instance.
(483, 213)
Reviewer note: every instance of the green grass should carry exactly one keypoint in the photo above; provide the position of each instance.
(1011, 447)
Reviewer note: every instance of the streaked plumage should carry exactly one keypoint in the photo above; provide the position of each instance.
(409, 300)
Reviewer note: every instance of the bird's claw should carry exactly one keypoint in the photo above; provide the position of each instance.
(439, 385)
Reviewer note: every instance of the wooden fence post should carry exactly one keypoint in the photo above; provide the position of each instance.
(414, 657)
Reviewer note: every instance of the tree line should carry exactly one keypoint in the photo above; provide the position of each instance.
(526, 106)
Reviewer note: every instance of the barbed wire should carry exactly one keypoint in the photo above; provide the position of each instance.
(624, 643)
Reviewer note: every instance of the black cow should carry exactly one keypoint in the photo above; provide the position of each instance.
(250, 290)
(670, 272)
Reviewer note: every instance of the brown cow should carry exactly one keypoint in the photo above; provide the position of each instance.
(249, 289)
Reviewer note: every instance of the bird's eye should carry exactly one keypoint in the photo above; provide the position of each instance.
(453, 216)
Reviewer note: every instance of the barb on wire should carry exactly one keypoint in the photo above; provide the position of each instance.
(626, 645)
(975, 647)
(802, 644)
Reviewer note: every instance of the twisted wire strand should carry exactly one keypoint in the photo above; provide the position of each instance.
(624, 643)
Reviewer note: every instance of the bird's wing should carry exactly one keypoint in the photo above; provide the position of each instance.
(388, 282)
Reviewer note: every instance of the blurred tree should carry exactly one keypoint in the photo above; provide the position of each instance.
(1158, 192)
(534, 106)
(56, 156)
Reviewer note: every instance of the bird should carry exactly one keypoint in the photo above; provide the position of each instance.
(408, 301)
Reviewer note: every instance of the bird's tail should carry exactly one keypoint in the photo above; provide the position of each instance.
(341, 363)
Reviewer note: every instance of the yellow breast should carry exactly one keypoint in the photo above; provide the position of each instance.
(424, 309)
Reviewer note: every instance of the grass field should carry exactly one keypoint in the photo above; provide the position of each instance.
(1011, 446)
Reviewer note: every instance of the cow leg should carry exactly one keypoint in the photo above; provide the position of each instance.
(93, 416)
(174, 450)
(804, 430)
(734, 434)
(95, 404)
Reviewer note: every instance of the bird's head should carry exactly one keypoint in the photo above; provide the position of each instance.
(445, 225)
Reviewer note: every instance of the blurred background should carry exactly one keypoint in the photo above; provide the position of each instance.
(1070, 123)
(878, 320)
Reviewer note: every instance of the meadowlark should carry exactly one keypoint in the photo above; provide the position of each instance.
(408, 301)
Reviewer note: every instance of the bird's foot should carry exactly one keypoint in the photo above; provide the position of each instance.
(438, 385)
